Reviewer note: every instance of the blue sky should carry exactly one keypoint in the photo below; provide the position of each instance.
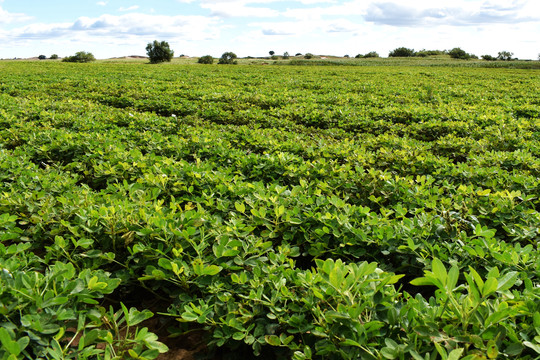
(111, 28)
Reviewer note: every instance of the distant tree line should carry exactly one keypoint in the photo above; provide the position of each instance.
(159, 52)
(455, 53)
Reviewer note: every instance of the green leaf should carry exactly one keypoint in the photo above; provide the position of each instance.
(490, 286)
(439, 270)
(535, 347)
(135, 317)
(240, 207)
(211, 270)
(349, 342)
(492, 349)
(272, 340)
(421, 281)
(453, 276)
(455, 354)
(165, 263)
(507, 281)
(7, 343)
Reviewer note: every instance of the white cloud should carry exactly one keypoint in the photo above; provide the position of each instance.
(101, 3)
(228, 9)
(9, 18)
(131, 8)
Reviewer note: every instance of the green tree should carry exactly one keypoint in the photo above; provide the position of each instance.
(505, 55)
(458, 53)
(54, 57)
(489, 58)
(159, 52)
(271, 52)
(401, 52)
(42, 57)
(80, 57)
(228, 58)
(207, 59)
(286, 55)
(308, 56)
(371, 54)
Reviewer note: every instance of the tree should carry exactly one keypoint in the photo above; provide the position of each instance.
(505, 55)
(54, 57)
(42, 57)
(308, 56)
(159, 52)
(271, 52)
(286, 55)
(371, 54)
(228, 58)
(458, 53)
(401, 52)
(207, 59)
(298, 54)
(489, 58)
(80, 57)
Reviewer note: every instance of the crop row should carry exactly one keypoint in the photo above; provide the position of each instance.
(306, 213)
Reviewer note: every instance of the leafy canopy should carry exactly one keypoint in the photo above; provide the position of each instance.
(228, 58)
(159, 52)
(80, 57)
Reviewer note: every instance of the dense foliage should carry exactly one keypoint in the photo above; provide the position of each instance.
(206, 59)
(159, 51)
(297, 212)
(401, 52)
(228, 58)
(80, 57)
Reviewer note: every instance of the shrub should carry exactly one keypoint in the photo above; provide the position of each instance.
(371, 54)
(308, 56)
(228, 58)
(207, 59)
(401, 52)
(458, 53)
(80, 57)
(54, 57)
(505, 55)
(159, 52)
(425, 53)
(358, 56)
(42, 57)
(489, 58)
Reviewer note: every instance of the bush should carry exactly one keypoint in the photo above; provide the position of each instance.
(489, 58)
(308, 56)
(54, 57)
(458, 53)
(505, 55)
(358, 56)
(298, 54)
(425, 53)
(371, 54)
(401, 52)
(228, 58)
(80, 57)
(159, 52)
(207, 59)
(42, 57)
(285, 55)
